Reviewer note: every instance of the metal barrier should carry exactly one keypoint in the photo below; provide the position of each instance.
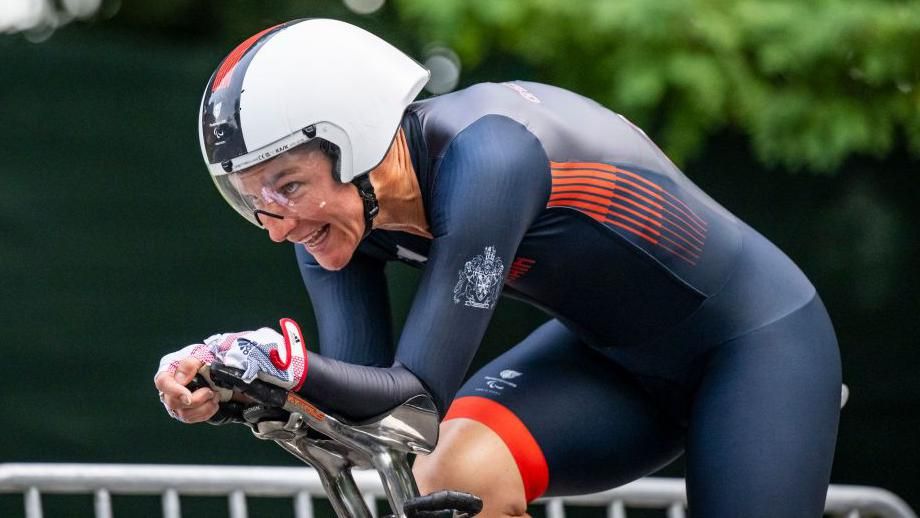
(303, 484)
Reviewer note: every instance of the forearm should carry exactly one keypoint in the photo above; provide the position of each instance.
(357, 392)
(351, 308)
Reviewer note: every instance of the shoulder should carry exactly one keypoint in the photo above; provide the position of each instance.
(493, 168)
(494, 152)
(444, 117)
(498, 138)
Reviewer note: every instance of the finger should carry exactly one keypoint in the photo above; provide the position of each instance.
(174, 403)
(202, 396)
(199, 398)
(199, 414)
(172, 389)
(242, 398)
(187, 369)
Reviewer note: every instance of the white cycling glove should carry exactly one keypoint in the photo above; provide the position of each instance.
(279, 359)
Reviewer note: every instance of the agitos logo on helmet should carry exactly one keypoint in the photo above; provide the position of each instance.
(299, 81)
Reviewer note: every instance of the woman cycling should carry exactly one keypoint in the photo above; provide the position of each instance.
(675, 327)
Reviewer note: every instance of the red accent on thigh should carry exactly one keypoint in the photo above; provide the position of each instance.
(514, 433)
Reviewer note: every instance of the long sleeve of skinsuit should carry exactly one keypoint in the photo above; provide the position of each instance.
(490, 186)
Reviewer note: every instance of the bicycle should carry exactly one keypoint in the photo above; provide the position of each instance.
(334, 446)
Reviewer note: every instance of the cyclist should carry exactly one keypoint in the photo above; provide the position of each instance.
(675, 328)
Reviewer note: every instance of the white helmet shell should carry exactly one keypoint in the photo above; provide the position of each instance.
(306, 79)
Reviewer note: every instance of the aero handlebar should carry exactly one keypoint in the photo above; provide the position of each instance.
(333, 446)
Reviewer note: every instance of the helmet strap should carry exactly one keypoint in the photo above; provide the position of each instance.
(371, 208)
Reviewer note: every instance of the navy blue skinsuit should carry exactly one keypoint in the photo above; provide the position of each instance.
(675, 327)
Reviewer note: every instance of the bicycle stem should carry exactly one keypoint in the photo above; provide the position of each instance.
(384, 448)
(335, 475)
(383, 443)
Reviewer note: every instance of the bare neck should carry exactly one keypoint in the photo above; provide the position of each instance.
(398, 192)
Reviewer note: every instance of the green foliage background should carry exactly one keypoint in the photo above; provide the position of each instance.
(800, 117)
(809, 83)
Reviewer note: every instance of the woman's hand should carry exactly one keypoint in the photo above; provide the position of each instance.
(276, 358)
(180, 402)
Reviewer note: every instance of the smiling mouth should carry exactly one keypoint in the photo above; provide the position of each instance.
(316, 237)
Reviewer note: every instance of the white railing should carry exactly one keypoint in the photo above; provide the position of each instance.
(303, 484)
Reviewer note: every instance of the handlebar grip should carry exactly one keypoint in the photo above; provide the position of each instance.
(197, 382)
(227, 413)
(255, 414)
(262, 392)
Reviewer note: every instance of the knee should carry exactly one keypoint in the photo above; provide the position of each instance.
(470, 457)
(436, 471)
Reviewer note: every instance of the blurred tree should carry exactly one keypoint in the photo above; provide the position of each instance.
(224, 23)
(809, 82)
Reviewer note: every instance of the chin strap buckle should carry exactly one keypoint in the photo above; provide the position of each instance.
(371, 208)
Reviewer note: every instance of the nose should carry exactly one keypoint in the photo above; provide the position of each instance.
(278, 229)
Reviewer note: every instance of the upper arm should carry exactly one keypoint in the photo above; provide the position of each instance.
(491, 185)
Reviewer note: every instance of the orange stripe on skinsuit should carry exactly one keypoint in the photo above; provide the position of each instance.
(595, 212)
(583, 188)
(588, 206)
(631, 230)
(569, 190)
(692, 215)
(583, 172)
(628, 186)
(607, 185)
(702, 221)
(565, 168)
(655, 190)
(598, 200)
(653, 231)
(676, 253)
(652, 198)
(574, 197)
(692, 254)
(527, 454)
(656, 222)
(612, 177)
(600, 165)
(610, 193)
(589, 209)
(611, 205)
(621, 183)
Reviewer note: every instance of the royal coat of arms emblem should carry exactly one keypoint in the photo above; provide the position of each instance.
(480, 280)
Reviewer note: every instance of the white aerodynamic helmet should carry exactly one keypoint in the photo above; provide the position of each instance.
(301, 80)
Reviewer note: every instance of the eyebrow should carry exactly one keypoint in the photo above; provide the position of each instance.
(270, 180)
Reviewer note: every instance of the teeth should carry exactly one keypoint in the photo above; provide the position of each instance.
(315, 236)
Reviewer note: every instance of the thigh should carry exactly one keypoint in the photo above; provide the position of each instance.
(574, 421)
(764, 421)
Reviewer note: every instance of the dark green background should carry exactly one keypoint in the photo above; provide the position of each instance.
(115, 250)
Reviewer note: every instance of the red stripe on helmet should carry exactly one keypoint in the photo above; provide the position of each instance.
(225, 71)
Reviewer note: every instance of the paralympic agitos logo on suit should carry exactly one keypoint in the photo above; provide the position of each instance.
(479, 280)
(497, 385)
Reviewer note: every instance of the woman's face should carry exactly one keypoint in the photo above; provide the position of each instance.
(317, 211)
